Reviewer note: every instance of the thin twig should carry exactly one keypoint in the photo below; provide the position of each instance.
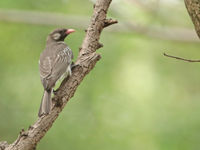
(179, 58)
(109, 22)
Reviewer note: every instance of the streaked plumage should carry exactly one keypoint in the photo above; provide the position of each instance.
(55, 60)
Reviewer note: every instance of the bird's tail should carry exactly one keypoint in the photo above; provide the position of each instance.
(46, 103)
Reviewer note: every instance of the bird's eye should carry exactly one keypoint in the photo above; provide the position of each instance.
(56, 36)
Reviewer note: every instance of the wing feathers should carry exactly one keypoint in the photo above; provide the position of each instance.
(55, 63)
(45, 67)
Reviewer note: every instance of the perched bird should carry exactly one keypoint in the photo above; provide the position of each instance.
(54, 62)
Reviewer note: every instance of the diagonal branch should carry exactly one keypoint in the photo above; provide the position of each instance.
(27, 140)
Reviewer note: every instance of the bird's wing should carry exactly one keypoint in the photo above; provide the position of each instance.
(63, 59)
(69, 53)
(54, 64)
(45, 67)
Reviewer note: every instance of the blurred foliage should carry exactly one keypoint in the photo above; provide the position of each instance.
(135, 98)
(153, 12)
(60, 6)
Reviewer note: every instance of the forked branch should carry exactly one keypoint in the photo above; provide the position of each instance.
(27, 140)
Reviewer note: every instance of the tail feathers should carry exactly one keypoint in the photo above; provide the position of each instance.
(46, 103)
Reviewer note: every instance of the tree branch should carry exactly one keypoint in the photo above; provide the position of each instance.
(27, 140)
(109, 22)
(179, 58)
(3, 145)
(193, 7)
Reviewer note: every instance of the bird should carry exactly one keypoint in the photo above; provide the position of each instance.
(55, 61)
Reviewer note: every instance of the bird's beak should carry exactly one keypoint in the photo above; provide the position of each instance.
(69, 31)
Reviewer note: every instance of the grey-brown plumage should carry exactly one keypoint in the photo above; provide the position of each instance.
(54, 62)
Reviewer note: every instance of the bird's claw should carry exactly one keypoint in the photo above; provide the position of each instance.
(55, 91)
(73, 65)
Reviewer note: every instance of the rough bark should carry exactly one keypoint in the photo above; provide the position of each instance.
(27, 140)
(193, 7)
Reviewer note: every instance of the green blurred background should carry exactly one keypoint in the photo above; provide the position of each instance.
(134, 99)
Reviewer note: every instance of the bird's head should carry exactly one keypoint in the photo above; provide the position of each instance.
(60, 34)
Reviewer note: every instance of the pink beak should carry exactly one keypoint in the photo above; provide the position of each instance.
(69, 31)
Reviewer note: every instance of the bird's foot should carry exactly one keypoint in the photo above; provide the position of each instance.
(73, 65)
(55, 91)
